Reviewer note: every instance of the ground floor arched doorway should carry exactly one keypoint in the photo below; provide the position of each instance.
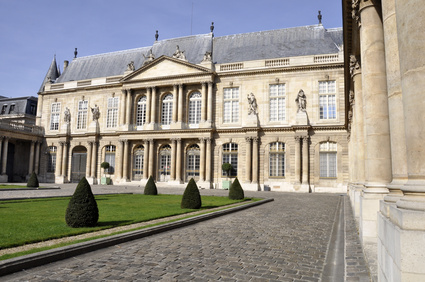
(78, 165)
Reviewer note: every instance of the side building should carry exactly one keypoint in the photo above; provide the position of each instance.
(270, 103)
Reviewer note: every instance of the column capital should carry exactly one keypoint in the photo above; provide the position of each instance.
(201, 139)
(90, 143)
(297, 138)
(210, 83)
(305, 138)
(208, 139)
(248, 139)
(123, 141)
(255, 139)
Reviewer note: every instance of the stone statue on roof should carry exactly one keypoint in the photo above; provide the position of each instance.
(96, 113)
(207, 57)
(130, 66)
(252, 104)
(179, 54)
(301, 101)
(149, 58)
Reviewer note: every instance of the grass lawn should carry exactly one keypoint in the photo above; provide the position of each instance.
(7, 186)
(35, 220)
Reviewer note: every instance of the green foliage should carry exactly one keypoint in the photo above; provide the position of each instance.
(82, 209)
(150, 188)
(104, 165)
(191, 197)
(33, 181)
(227, 168)
(236, 191)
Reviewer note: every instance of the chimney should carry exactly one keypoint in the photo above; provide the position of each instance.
(65, 64)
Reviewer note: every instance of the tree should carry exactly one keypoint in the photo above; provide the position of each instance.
(236, 191)
(191, 197)
(150, 188)
(82, 209)
(33, 181)
(105, 166)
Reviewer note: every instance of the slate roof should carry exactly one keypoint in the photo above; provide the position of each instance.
(297, 41)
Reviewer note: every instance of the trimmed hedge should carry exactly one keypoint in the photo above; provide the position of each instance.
(82, 209)
(33, 181)
(150, 188)
(236, 191)
(191, 197)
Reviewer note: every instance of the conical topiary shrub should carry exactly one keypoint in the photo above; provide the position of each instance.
(191, 197)
(150, 188)
(33, 181)
(236, 191)
(82, 209)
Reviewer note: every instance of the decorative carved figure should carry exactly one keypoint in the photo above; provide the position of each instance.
(301, 101)
(130, 66)
(354, 64)
(179, 54)
(67, 116)
(252, 104)
(96, 113)
(207, 57)
(149, 58)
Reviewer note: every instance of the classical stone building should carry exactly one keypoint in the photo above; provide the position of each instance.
(385, 70)
(270, 103)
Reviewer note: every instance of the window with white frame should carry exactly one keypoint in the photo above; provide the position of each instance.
(112, 112)
(51, 159)
(141, 111)
(110, 158)
(165, 161)
(193, 162)
(230, 155)
(277, 102)
(54, 116)
(167, 109)
(328, 161)
(138, 161)
(327, 99)
(277, 159)
(195, 108)
(231, 105)
(82, 114)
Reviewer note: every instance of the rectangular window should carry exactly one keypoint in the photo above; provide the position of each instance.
(112, 112)
(327, 99)
(11, 109)
(230, 155)
(82, 114)
(231, 105)
(54, 116)
(51, 162)
(277, 159)
(328, 160)
(3, 109)
(110, 158)
(277, 102)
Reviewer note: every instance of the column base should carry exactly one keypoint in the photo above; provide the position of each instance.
(251, 186)
(204, 185)
(91, 180)
(4, 178)
(60, 179)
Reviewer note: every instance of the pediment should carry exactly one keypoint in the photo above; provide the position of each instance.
(166, 67)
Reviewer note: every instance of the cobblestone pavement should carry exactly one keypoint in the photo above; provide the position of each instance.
(284, 240)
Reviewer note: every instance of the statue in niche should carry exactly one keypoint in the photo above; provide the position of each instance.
(67, 116)
(207, 57)
(130, 66)
(149, 58)
(301, 101)
(252, 104)
(96, 113)
(179, 54)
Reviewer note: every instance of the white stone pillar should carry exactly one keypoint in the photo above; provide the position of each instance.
(255, 164)
(180, 111)
(31, 162)
(37, 157)
(204, 102)
(202, 160)
(175, 108)
(179, 160)
(125, 161)
(305, 161)
(297, 159)
(39, 110)
(153, 105)
(210, 102)
(1, 149)
(89, 156)
(65, 160)
(4, 155)
(173, 160)
(94, 160)
(129, 106)
(148, 104)
(208, 161)
(151, 158)
(58, 169)
(146, 160)
(123, 106)
(248, 164)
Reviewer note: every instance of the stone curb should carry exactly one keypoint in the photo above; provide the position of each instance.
(37, 259)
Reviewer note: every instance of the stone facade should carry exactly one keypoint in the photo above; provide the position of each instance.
(384, 76)
(182, 107)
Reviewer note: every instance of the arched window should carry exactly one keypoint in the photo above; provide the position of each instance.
(167, 109)
(195, 108)
(141, 111)
(110, 158)
(51, 162)
(138, 161)
(230, 155)
(165, 162)
(193, 161)
(328, 162)
(277, 159)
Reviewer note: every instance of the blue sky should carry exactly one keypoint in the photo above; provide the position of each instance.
(33, 31)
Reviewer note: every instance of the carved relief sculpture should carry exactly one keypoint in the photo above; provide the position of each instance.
(252, 104)
(301, 101)
(179, 54)
(67, 116)
(96, 113)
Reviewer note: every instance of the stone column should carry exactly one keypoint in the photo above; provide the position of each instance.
(173, 160)
(125, 161)
(146, 160)
(58, 169)
(65, 160)
(148, 104)
(4, 155)
(89, 156)
(179, 160)
(208, 161)
(202, 160)
(119, 160)
(180, 112)
(39, 110)
(151, 158)
(153, 105)
(1, 149)
(94, 160)
(31, 163)
(175, 108)
(248, 165)
(204, 102)
(129, 106)
(123, 106)
(297, 159)
(37, 157)
(255, 142)
(305, 161)
(210, 102)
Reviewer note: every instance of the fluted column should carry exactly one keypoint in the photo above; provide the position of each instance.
(125, 161)
(31, 163)
(58, 169)
(175, 108)
(305, 160)
(210, 102)
(248, 165)
(173, 160)
(37, 157)
(123, 106)
(208, 161)
(94, 160)
(89, 157)
(202, 160)
(146, 160)
(151, 158)
(129, 107)
(297, 159)
(153, 105)
(4, 155)
(204, 102)
(179, 160)
(65, 160)
(255, 141)
(148, 104)
(180, 111)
